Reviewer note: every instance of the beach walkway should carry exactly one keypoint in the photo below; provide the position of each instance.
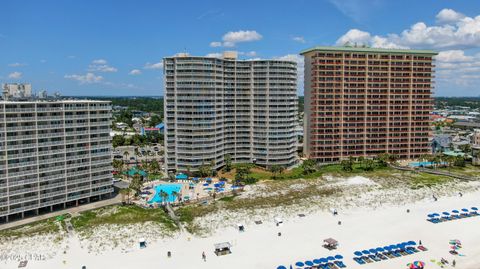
(94, 205)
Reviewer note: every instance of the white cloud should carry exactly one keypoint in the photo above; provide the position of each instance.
(15, 75)
(447, 15)
(135, 72)
(43, 61)
(99, 61)
(215, 44)
(464, 33)
(88, 78)
(231, 38)
(354, 36)
(158, 65)
(248, 53)
(299, 39)
(214, 55)
(17, 64)
(450, 56)
(101, 65)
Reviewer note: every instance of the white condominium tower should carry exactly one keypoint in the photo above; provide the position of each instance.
(53, 154)
(223, 106)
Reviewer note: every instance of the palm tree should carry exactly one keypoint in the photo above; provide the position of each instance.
(136, 184)
(125, 194)
(126, 153)
(164, 196)
(175, 195)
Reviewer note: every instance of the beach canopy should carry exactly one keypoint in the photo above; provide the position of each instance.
(301, 264)
(372, 250)
(338, 257)
(380, 249)
(412, 243)
(358, 253)
(224, 245)
(330, 258)
(330, 241)
(309, 263)
(455, 211)
(323, 260)
(464, 210)
(317, 261)
(474, 208)
(281, 267)
(393, 246)
(431, 215)
(181, 176)
(365, 252)
(446, 213)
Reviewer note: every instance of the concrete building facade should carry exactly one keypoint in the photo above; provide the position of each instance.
(366, 101)
(53, 153)
(223, 106)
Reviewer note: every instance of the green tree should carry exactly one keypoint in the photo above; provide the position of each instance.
(368, 165)
(276, 170)
(136, 184)
(228, 163)
(154, 120)
(154, 166)
(126, 153)
(175, 195)
(347, 165)
(125, 193)
(459, 161)
(205, 170)
(465, 148)
(118, 141)
(309, 166)
(164, 197)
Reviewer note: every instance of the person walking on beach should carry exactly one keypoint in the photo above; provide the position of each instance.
(420, 242)
(454, 263)
(204, 257)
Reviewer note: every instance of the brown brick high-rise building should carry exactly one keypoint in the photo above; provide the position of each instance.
(367, 101)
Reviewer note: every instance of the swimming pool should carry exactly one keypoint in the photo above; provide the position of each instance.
(424, 164)
(167, 188)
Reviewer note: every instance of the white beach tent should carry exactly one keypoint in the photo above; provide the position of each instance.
(278, 221)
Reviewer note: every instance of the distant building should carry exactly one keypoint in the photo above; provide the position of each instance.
(476, 137)
(441, 143)
(17, 90)
(137, 127)
(223, 106)
(367, 101)
(121, 125)
(159, 128)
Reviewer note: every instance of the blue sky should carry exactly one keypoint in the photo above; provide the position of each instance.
(116, 47)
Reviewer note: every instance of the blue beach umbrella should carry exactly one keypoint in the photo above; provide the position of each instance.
(373, 251)
(317, 261)
(474, 208)
(393, 246)
(206, 184)
(411, 243)
(309, 263)
(330, 258)
(357, 253)
(464, 210)
(431, 215)
(338, 257)
(446, 213)
(323, 260)
(380, 249)
(281, 267)
(387, 248)
(455, 211)
(300, 264)
(400, 245)
(366, 252)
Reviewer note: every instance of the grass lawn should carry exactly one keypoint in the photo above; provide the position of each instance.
(51, 225)
(122, 215)
(468, 170)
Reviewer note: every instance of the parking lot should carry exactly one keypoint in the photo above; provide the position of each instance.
(146, 153)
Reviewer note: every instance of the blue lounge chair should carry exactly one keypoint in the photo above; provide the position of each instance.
(359, 260)
(340, 264)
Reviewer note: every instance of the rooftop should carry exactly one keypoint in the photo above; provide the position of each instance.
(372, 50)
(10, 101)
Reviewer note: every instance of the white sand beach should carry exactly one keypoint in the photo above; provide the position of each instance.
(363, 227)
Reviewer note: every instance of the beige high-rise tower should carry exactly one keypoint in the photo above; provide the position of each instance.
(216, 107)
(367, 101)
